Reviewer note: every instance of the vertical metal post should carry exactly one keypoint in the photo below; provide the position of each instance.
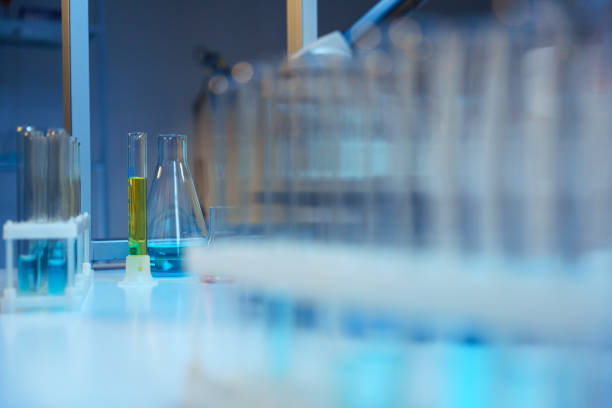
(75, 61)
(301, 24)
(66, 65)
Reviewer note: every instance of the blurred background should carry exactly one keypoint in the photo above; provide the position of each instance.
(147, 70)
(146, 73)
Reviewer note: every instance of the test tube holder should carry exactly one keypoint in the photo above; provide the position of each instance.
(79, 279)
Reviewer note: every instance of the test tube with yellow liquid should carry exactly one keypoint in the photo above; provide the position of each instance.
(137, 193)
(137, 264)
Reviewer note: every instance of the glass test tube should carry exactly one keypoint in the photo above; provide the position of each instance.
(24, 140)
(137, 193)
(77, 177)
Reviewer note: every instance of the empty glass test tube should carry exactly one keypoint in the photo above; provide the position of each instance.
(137, 193)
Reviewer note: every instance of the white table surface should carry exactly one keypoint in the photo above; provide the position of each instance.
(137, 348)
(119, 350)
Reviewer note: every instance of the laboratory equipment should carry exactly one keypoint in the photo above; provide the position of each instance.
(220, 225)
(62, 249)
(37, 173)
(437, 200)
(32, 255)
(22, 142)
(137, 193)
(28, 273)
(175, 217)
(54, 139)
(60, 193)
(137, 264)
(76, 176)
(56, 272)
(341, 44)
(51, 236)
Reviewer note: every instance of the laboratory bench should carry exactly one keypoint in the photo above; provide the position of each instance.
(120, 349)
(179, 343)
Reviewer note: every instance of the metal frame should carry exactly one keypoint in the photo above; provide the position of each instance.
(75, 76)
(302, 28)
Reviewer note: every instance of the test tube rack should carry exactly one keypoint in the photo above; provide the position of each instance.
(79, 279)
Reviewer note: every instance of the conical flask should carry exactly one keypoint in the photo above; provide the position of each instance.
(175, 217)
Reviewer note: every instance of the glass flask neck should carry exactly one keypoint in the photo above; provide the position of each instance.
(171, 148)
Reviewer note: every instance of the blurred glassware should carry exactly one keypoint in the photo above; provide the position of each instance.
(456, 180)
(219, 225)
(175, 219)
(227, 224)
(440, 138)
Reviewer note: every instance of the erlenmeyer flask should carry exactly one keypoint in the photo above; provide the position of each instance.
(175, 217)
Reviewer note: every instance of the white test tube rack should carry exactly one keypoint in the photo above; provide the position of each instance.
(78, 282)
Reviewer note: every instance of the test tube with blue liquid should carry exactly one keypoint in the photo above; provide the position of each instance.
(42, 268)
(46, 192)
(60, 199)
(33, 179)
(28, 272)
(57, 269)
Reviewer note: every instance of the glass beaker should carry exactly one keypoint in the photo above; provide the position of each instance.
(175, 216)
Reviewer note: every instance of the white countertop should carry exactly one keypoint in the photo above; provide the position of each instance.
(114, 352)
(178, 346)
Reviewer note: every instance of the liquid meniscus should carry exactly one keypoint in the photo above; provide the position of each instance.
(137, 215)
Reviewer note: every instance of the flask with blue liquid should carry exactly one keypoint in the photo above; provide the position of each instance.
(175, 219)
